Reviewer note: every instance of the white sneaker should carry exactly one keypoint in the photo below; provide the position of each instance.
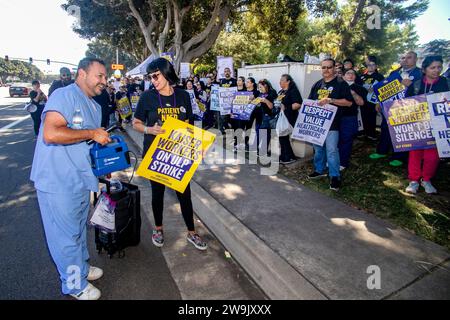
(94, 273)
(89, 293)
(412, 187)
(342, 168)
(428, 187)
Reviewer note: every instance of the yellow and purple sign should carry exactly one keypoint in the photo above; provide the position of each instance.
(174, 156)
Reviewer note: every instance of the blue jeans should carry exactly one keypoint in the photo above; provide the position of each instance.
(347, 132)
(328, 153)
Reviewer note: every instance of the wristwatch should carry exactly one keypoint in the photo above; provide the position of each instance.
(145, 130)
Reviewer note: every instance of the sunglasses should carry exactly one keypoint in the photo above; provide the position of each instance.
(65, 75)
(327, 67)
(154, 76)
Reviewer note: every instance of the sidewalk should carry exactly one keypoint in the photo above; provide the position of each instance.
(299, 244)
(198, 275)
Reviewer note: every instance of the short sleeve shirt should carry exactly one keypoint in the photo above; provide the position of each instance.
(153, 107)
(61, 168)
(336, 89)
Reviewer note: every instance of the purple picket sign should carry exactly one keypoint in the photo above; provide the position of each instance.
(409, 124)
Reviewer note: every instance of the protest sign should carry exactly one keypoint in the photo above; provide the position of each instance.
(409, 124)
(314, 122)
(174, 156)
(389, 89)
(226, 97)
(242, 107)
(222, 63)
(124, 108)
(168, 56)
(185, 70)
(439, 108)
(134, 101)
(195, 109)
(214, 98)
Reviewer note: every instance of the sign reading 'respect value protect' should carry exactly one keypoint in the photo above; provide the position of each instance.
(174, 156)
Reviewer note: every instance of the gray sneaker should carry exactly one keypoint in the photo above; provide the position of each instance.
(428, 187)
(197, 241)
(412, 187)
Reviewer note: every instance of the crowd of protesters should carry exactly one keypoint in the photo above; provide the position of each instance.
(342, 84)
(64, 194)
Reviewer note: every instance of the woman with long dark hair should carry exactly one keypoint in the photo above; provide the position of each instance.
(153, 108)
(291, 101)
(267, 95)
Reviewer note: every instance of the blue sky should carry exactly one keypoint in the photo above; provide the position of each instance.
(41, 29)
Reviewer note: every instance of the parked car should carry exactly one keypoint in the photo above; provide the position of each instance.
(20, 89)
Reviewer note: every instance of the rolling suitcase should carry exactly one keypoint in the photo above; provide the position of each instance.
(127, 220)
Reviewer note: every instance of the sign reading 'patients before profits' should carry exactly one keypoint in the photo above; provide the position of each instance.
(174, 156)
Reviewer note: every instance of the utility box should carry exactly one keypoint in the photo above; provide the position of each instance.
(304, 75)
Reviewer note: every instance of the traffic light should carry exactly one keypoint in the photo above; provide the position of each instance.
(31, 60)
(6, 58)
(48, 61)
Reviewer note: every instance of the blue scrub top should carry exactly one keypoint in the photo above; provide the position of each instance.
(66, 168)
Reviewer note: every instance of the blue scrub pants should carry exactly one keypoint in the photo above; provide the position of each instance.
(64, 218)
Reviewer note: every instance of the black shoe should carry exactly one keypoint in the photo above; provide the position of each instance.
(316, 175)
(335, 183)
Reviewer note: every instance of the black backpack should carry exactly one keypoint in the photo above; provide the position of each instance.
(127, 220)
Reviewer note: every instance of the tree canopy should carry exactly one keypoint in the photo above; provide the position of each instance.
(253, 31)
(20, 69)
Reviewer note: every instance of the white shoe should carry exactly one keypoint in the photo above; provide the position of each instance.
(342, 168)
(94, 273)
(89, 293)
(428, 187)
(412, 187)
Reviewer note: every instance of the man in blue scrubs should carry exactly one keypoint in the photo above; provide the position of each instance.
(63, 176)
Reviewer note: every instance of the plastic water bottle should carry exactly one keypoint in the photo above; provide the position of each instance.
(77, 120)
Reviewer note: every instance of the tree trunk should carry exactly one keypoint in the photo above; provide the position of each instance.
(194, 47)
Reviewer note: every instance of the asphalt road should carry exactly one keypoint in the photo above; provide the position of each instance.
(26, 268)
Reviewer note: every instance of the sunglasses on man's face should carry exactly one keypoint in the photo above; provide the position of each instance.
(154, 76)
(327, 67)
(65, 75)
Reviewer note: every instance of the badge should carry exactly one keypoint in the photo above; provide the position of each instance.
(182, 109)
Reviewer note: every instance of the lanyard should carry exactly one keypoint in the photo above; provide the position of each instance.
(431, 86)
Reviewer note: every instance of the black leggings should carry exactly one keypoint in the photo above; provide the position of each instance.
(185, 203)
(36, 116)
